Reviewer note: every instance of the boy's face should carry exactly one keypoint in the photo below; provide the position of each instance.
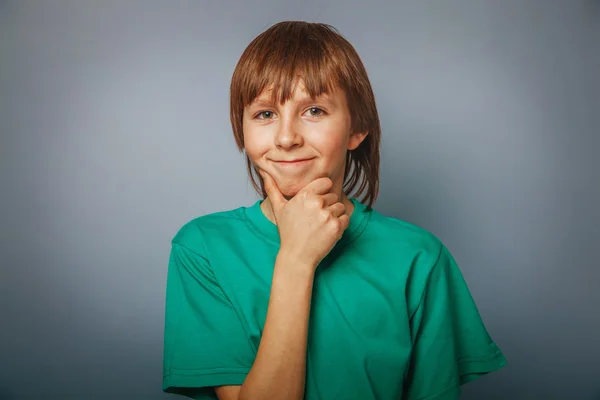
(301, 140)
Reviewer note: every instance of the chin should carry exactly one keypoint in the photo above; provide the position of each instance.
(290, 189)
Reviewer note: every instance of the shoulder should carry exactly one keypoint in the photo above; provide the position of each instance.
(193, 232)
(419, 256)
(406, 238)
(412, 251)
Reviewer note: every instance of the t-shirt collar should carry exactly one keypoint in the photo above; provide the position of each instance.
(264, 227)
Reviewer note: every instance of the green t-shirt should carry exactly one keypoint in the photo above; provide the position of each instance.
(391, 315)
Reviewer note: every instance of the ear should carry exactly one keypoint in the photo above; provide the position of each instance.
(356, 139)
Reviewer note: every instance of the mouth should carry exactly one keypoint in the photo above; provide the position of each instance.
(299, 162)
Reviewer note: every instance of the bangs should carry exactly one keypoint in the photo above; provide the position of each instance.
(278, 60)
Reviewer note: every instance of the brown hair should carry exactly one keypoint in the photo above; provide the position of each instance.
(325, 61)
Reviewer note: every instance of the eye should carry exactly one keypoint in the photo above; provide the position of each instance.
(264, 115)
(316, 112)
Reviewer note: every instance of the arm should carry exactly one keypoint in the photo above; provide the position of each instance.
(279, 369)
(309, 225)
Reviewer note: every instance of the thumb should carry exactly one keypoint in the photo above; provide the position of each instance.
(275, 197)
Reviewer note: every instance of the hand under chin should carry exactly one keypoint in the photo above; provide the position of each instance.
(289, 190)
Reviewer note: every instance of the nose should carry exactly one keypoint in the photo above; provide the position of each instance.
(288, 135)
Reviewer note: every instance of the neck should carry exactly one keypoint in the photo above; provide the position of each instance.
(268, 210)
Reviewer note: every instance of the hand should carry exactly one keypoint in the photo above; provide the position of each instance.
(310, 223)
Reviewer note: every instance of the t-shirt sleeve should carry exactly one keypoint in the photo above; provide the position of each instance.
(451, 345)
(205, 343)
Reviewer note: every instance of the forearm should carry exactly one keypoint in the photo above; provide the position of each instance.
(279, 369)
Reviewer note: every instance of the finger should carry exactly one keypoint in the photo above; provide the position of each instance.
(330, 199)
(273, 193)
(318, 186)
(344, 222)
(337, 209)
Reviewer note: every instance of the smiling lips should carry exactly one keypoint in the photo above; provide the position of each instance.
(293, 163)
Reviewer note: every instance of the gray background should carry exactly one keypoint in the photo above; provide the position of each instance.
(115, 132)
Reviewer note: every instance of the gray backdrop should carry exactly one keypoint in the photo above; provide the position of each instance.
(115, 132)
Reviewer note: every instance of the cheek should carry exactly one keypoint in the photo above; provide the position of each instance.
(332, 139)
(333, 145)
(255, 144)
(251, 150)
